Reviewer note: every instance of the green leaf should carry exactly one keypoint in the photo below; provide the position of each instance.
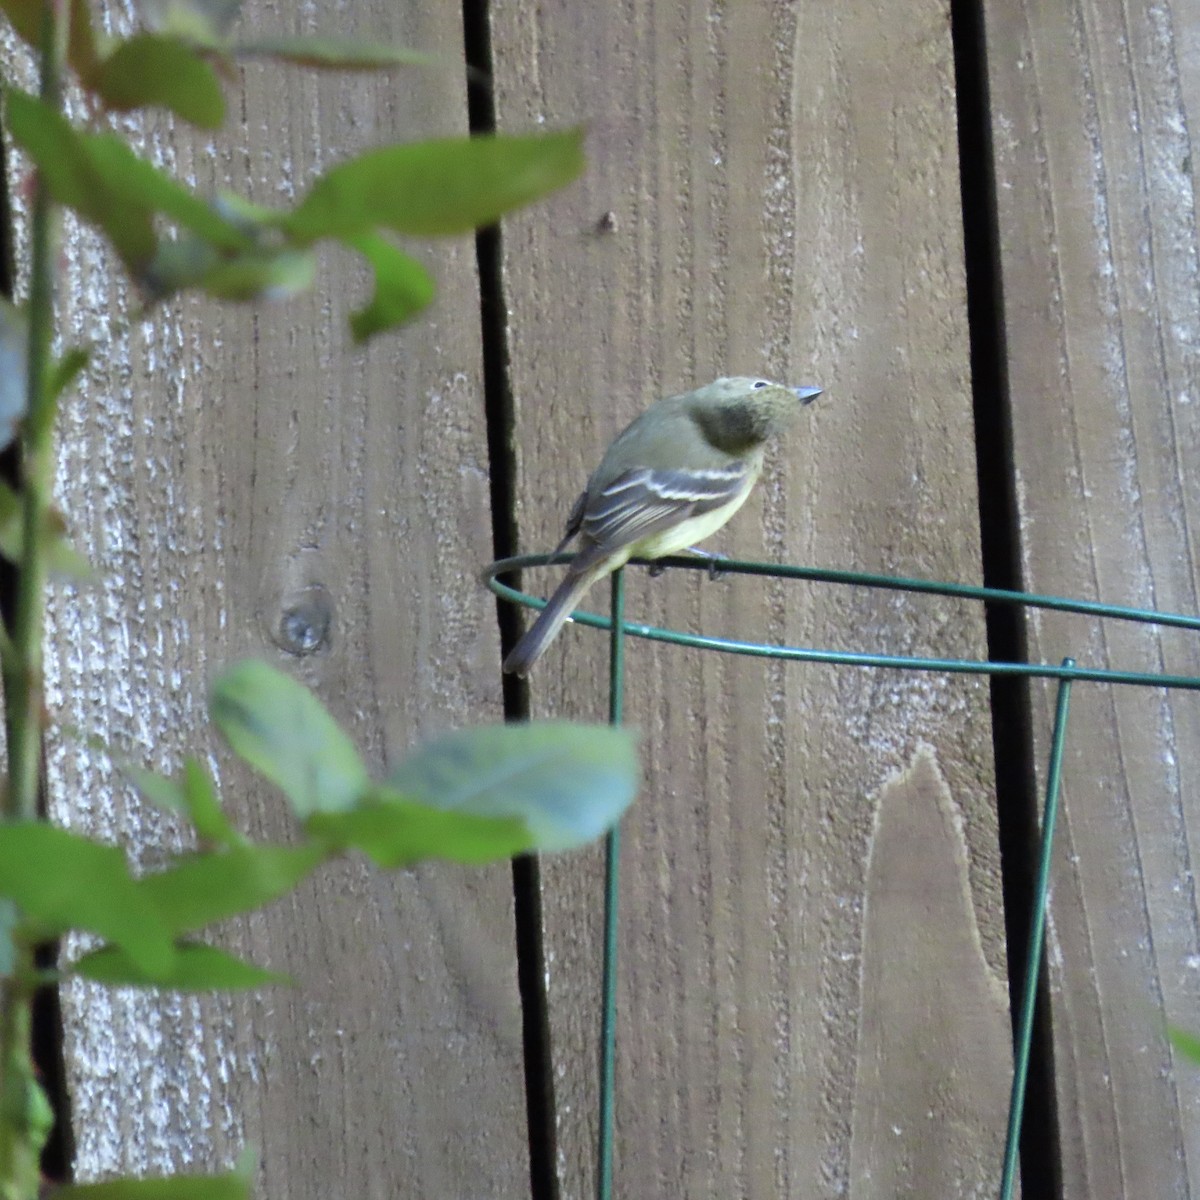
(1187, 1044)
(14, 348)
(158, 789)
(66, 369)
(174, 1187)
(63, 881)
(62, 559)
(203, 806)
(82, 53)
(197, 968)
(402, 287)
(108, 185)
(266, 272)
(270, 274)
(141, 183)
(245, 214)
(212, 885)
(396, 832)
(194, 797)
(569, 783)
(334, 52)
(204, 22)
(73, 178)
(9, 920)
(158, 70)
(282, 730)
(451, 185)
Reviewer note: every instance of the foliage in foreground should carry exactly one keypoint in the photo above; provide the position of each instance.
(474, 796)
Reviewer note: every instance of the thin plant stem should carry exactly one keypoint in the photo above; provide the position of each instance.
(23, 685)
(24, 1117)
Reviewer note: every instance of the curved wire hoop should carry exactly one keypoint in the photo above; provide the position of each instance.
(1066, 673)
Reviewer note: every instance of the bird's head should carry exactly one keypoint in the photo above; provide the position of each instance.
(744, 410)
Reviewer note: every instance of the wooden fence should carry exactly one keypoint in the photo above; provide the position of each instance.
(814, 994)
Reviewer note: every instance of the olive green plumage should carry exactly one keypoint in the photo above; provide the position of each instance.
(672, 477)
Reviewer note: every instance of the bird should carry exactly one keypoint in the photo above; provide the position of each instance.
(671, 478)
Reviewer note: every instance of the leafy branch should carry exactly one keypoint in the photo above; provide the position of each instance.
(474, 796)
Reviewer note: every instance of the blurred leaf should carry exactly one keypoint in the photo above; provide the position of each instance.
(212, 885)
(569, 783)
(282, 730)
(158, 789)
(63, 881)
(194, 797)
(205, 22)
(196, 968)
(140, 182)
(334, 52)
(158, 70)
(402, 287)
(83, 53)
(14, 356)
(108, 185)
(8, 927)
(267, 274)
(245, 214)
(12, 533)
(65, 370)
(261, 272)
(174, 1187)
(62, 559)
(451, 185)
(1187, 1044)
(179, 263)
(74, 179)
(396, 832)
(204, 807)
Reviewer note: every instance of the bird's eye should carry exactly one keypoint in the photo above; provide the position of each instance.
(761, 383)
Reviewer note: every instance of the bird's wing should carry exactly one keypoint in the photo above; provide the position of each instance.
(643, 501)
(574, 521)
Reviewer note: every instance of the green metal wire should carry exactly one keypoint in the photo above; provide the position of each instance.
(612, 878)
(1037, 935)
(1066, 673)
(848, 658)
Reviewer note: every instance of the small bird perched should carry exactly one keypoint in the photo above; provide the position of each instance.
(671, 478)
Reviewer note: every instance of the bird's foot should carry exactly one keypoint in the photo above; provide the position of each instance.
(714, 559)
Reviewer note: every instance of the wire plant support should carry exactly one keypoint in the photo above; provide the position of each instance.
(1065, 673)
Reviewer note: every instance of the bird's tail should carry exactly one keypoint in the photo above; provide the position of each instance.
(581, 574)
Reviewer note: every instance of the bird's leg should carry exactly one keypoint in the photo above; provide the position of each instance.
(714, 558)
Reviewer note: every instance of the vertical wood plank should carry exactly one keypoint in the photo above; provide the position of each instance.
(249, 483)
(1094, 109)
(772, 188)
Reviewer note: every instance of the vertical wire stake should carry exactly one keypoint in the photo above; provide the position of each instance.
(1033, 957)
(612, 874)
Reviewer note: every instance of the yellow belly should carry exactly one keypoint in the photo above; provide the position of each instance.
(688, 533)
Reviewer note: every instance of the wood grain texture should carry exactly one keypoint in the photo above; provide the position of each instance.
(241, 477)
(1095, 110)
(772, 188)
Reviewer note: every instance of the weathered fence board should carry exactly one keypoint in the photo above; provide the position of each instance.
(239, 477)
(772, 188)
(1095, 108)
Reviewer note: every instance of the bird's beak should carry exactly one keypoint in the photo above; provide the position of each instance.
(806, 395)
